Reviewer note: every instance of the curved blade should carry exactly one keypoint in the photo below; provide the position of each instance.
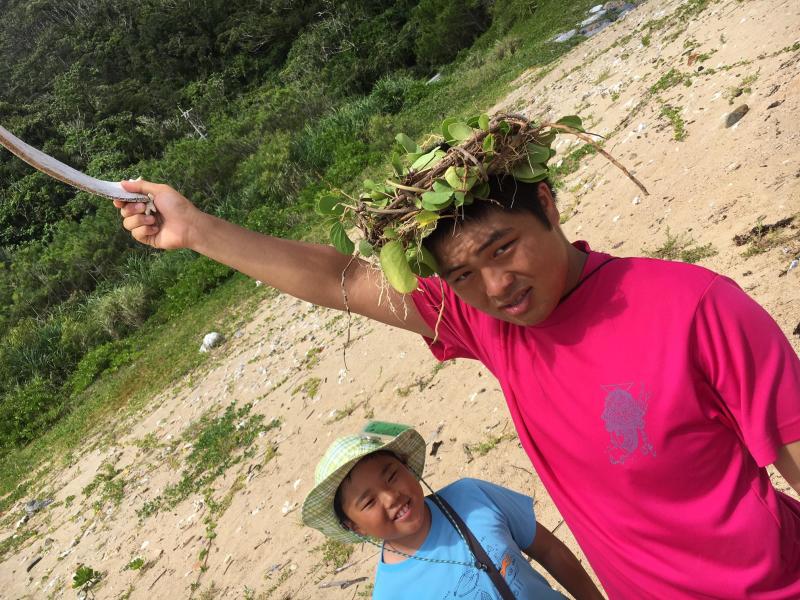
(58, 170)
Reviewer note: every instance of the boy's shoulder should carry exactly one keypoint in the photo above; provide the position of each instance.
(470, 491)
(460, 485)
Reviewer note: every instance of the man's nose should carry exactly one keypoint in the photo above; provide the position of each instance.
(498, 282)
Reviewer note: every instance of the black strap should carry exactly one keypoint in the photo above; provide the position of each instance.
(483, 561)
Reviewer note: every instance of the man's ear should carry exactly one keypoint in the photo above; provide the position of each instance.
(548, 202)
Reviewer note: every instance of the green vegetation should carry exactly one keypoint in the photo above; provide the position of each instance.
(683, 248)
(15, 540)
(366, 592)
(343, 413)
(112, 487)
(765, 236)
(490, 443)
(218, 442)
(670, 79)
(744, 87)
(85, 577)
(673, 115)
(136, 564)
(335, 554)
(309, 387)
(252, 111)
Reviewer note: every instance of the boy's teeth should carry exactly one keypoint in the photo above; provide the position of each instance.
(403, 510)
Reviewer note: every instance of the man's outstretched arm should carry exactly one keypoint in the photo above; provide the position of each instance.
(311, 272)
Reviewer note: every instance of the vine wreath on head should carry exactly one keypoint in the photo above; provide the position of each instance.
(436, 182)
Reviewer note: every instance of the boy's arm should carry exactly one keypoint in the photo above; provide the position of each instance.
(311, 272)
(788, 464)
(556, 558)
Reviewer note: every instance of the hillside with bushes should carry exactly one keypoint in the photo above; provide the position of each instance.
(251, 110)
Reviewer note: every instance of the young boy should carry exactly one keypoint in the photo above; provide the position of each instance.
(367, 486)
(649, 395)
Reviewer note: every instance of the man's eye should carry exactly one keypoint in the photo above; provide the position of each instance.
(368, 504)
(392, 476)
(503, 249)
(461, 277)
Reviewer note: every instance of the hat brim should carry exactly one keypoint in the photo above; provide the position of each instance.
(318, 506)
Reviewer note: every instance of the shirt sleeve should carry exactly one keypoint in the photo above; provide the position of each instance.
(752, 366)
(516, 509)
(453, 321)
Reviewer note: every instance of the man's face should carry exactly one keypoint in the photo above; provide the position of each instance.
(510, 265)
(383, 499)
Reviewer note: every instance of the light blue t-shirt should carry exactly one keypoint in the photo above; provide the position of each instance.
(503, 522)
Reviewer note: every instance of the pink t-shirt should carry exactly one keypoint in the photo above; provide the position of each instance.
(649, 402)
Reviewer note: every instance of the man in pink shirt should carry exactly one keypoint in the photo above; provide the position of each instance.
(649, 395)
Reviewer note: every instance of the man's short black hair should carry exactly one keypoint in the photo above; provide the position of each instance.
(506, 194)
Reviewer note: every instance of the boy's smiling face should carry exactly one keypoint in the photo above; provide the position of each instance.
(382, 498)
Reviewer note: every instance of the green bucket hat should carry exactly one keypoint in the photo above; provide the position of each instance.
(341, 457)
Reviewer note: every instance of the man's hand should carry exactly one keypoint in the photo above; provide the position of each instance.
(171, 227)
(788, 464)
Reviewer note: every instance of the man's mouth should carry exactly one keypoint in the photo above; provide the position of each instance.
(518, 303)
(402, 512)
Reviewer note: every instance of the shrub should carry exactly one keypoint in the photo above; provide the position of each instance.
(106, 358)
(27, 410)
(119, 310)
(444, 27)
(392, 93)
(199, 277)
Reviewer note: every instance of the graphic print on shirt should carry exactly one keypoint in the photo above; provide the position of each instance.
(624, 416)
(468, 588)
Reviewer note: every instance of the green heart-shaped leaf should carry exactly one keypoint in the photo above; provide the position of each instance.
(483, 122)
(481, 190)
(340, 240)
(547, 138)
(426, 217)
(407, 143)
(427, 161)
(421, 261)
(460, 131)
(396, 268)
(445, 125)
(330, 205)
(529, 173)
(488, 143)
(365, 248)
(573, 121)
(460, 178)
(397, 164)
(436, 207)
(537, 154)
(441, 186)
(437, 198)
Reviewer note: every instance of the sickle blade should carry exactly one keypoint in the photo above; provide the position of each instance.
(58, 170)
